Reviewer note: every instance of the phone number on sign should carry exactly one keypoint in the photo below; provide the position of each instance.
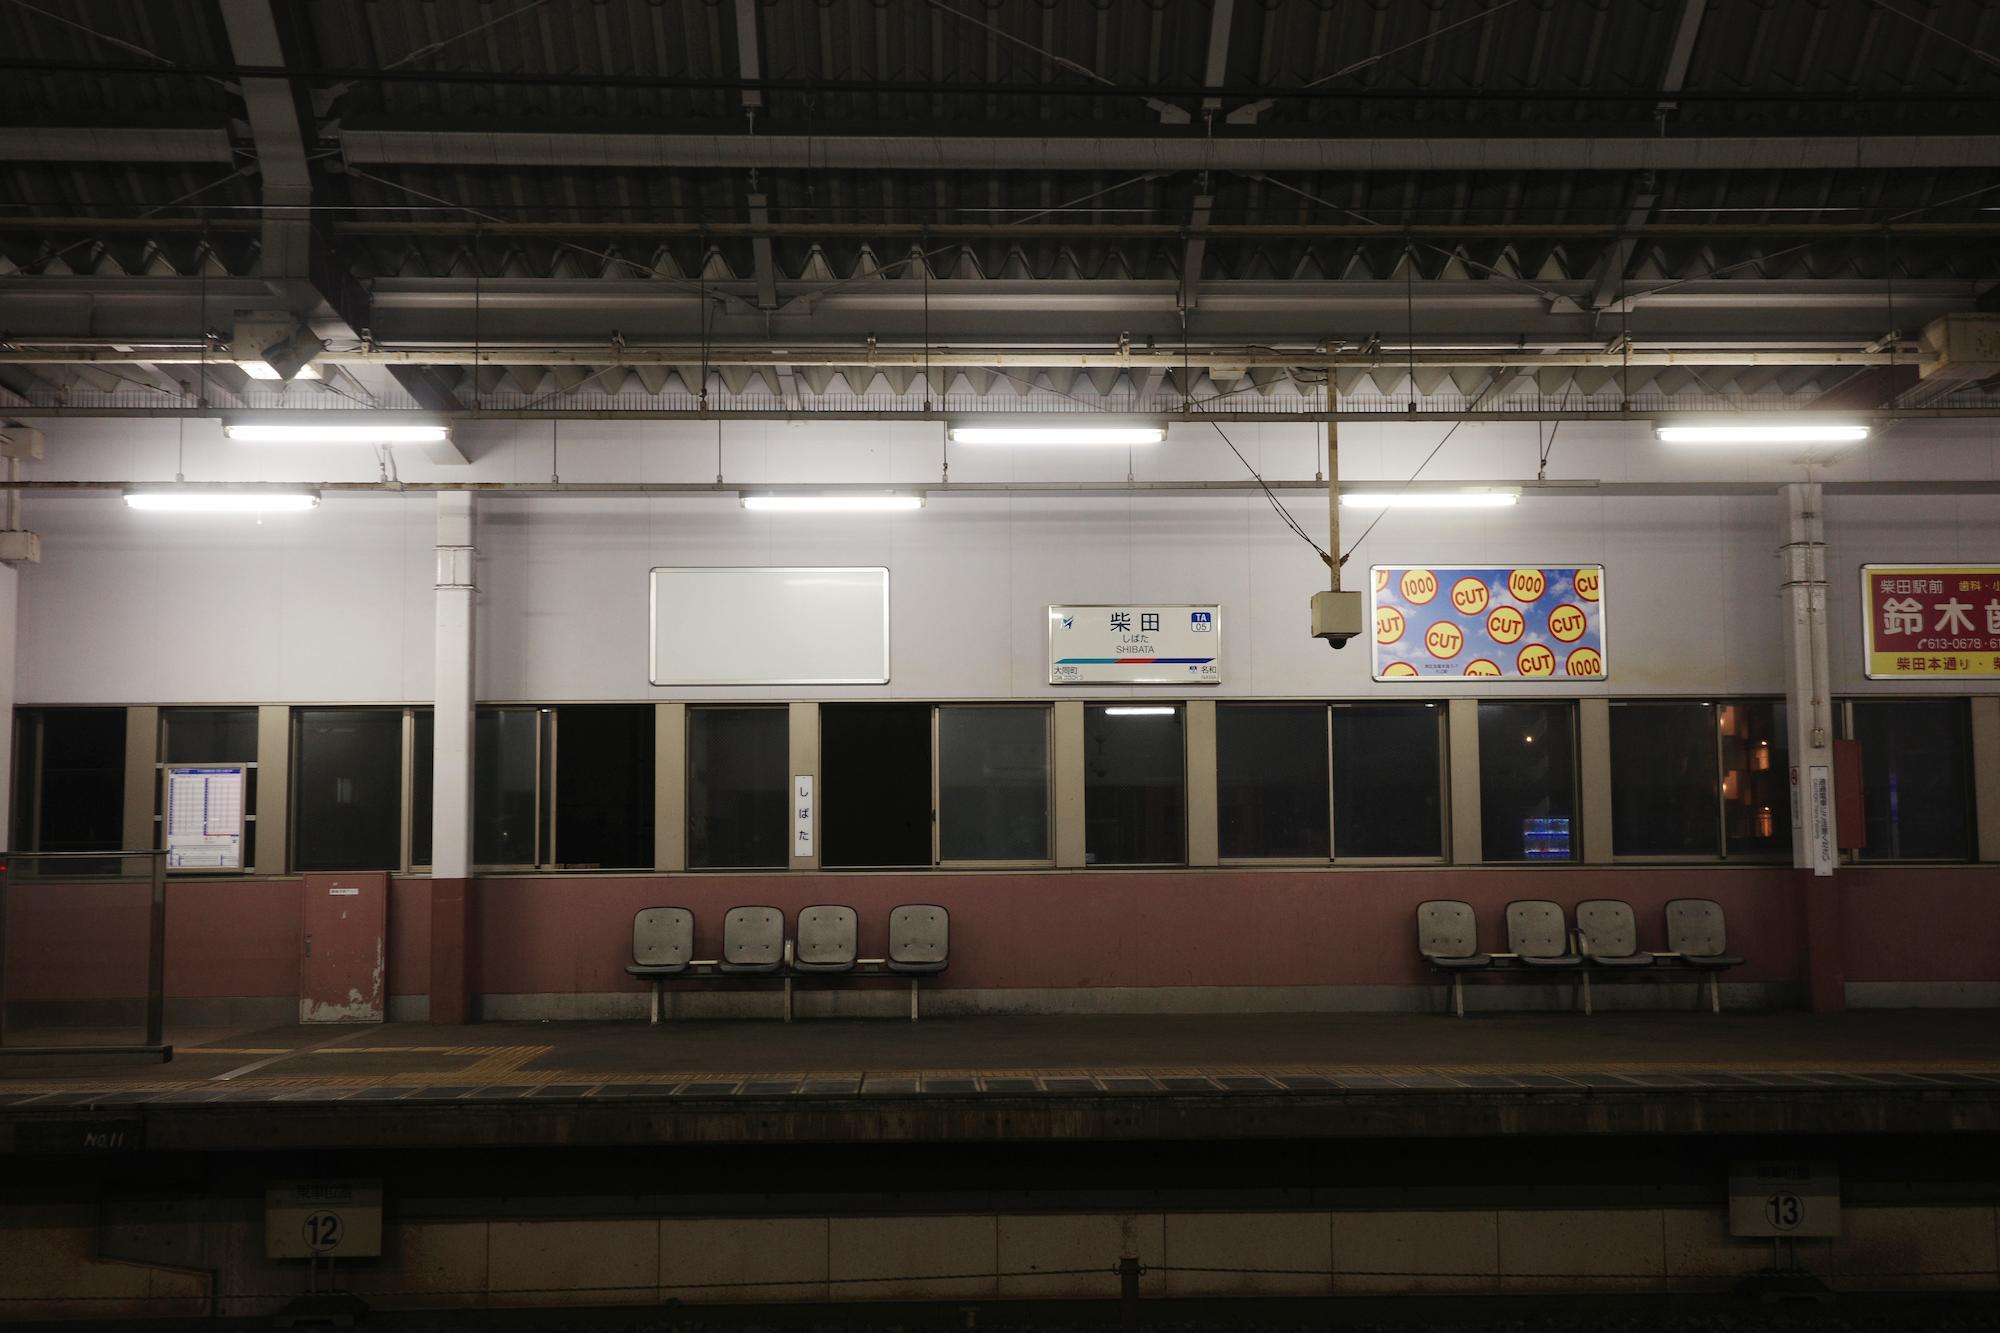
(1961, 645)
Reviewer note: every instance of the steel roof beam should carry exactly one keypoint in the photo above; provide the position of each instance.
(525, 148)
(30, 143)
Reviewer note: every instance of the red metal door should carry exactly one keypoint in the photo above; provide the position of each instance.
(344, 948)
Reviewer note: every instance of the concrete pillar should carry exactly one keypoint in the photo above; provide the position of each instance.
(1810, 725)
(1593, 734)
(274, 785)
(142, 776)
(1203, 814)
(1462, 724)
(670, 787)
(805, 764)
(1068, 759)
(451, 765)
(10, 588)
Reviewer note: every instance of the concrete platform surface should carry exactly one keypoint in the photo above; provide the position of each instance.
(1071, 1076)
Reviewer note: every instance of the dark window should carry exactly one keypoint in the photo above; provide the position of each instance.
(1270, 780)
(72, 773)
(423, 751)
(875, 769)
(604, 786)
(1756, 782)
(993, 784)
(1388, 780)
(214, 736)
(506, 765)
(1663, 780)
(208, 735)
(1527, 782)
(738, 784)
(1916, 780)
(347, 789)
(1134, 785)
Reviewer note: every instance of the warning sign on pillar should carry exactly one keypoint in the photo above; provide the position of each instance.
(1819, 781)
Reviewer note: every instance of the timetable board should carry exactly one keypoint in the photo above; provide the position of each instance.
(204, 818)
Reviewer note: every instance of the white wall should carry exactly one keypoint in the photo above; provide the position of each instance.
(336, 605)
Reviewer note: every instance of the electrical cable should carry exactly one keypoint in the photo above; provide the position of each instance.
(1271, 496)
(1472, 406)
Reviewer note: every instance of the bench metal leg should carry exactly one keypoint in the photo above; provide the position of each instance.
(1587, 1011)
(656, 1003)
(1458, 994)
(788, 999)
(1714, 992)
(913, 999)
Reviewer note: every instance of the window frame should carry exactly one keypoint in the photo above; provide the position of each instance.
(1721, 855)
(294, 724)
(1180, 707)
(1572, 705)
(34, 781)
(253, 785)
(1721, 852)
(1048, 789)
(1442, 727)
(783, 708)
(1855, 857)
(544, 792)
(1326, 722)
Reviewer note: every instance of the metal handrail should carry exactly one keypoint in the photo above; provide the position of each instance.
(156, 949)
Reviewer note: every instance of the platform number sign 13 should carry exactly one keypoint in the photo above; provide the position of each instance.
(1768, 1198)
(1784, 1211)
(323, 1219)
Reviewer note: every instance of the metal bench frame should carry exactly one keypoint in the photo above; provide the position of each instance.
(788, 968)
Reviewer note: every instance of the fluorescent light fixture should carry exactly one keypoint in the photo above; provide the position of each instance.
(271, 432)
(1748, 432)
(263, 370)
(1138, 712)
(1064, 434)
(1474, 499)
(222, 500)
(834, 502)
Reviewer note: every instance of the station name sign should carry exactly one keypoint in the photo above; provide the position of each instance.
(1130, 644)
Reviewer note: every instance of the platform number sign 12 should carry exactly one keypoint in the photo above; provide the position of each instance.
(323, 1219)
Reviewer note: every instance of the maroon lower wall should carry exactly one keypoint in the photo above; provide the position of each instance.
(1114, 928)
(571, 934)
(1921, 923)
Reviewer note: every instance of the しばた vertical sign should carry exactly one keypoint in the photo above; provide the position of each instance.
(1522, 622)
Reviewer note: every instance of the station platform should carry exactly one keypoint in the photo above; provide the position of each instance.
(1095, 1077)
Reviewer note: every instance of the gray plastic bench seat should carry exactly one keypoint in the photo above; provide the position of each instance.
(823, 940)
(1695, 931)
(662, 947)
(1448, 940)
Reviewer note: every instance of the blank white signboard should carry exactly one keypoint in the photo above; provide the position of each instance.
(778, 626)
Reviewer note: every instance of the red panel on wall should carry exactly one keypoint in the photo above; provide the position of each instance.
(1850, 812)
(344, 951)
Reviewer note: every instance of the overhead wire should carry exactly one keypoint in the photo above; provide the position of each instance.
(1472, 406)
